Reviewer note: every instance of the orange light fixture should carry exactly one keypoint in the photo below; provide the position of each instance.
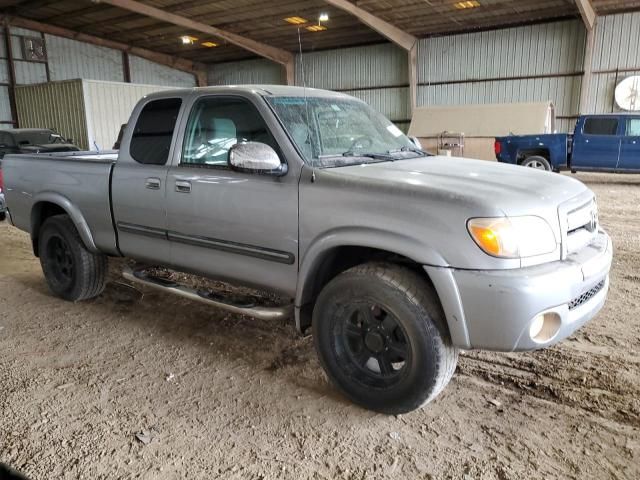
(316, 28)
(296, 20)
(209, 44)
(466, 5)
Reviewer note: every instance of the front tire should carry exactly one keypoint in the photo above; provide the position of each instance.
(3, 216)
(72, 272)
(537, 162)
(380, 335)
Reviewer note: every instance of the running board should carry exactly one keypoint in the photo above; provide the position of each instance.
(208, 297)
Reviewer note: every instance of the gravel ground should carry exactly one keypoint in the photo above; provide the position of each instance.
(222, 396)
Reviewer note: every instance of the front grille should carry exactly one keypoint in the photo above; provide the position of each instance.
(581, 226)
(586, 296)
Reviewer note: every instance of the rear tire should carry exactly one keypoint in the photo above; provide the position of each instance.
(380, 335)
(3, 215)
(537, 162)
(72, 272)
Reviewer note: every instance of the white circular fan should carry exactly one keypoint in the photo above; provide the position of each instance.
(628, 94)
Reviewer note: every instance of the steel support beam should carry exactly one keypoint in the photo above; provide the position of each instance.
(587, 12)
(156, 57)
(590, 19)
(401, 38)
(283, 57)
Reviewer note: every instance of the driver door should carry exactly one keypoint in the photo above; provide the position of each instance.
(231, 225)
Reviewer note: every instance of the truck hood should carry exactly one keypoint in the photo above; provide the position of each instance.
(514, 190)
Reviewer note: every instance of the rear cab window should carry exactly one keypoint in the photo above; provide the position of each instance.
(600, 126)
(633, 127)
(153, 132)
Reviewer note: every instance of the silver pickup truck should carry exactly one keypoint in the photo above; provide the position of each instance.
(395, 259)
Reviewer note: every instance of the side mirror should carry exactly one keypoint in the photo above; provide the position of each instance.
(256, 157)
(416, 142)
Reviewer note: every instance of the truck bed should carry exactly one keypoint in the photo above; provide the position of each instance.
(78, 180)
(516, 147)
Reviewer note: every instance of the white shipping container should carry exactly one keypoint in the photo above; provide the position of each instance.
(90, 112)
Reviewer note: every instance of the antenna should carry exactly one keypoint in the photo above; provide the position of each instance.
(628, 94)
(306, 105)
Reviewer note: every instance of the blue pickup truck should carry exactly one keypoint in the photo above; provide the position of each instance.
(603, 143)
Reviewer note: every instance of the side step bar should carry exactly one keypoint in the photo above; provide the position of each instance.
(234, 305)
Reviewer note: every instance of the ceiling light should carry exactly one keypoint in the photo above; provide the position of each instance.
(324, 17)
(296, 20)
(467, 4)
(188, 39)
(209, 44)
(316, 28)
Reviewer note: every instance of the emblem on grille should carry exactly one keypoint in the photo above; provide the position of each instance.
(593, 224)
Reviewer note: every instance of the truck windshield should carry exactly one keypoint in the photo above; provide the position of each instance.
(332, 132)
(40, 137)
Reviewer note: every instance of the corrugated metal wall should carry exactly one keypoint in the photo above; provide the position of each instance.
(57, 105)
(524, 64)
(616, 56)
(27, 72)
(72, 59)
(259, 71)
(108, 106)
(145, 72)
(375, 73)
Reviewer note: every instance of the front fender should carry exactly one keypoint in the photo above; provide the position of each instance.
(71, 209)
(365, 237)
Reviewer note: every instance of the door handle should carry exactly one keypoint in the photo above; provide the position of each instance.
(152, 183)
(183, 186)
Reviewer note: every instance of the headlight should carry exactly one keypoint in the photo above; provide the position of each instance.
(512, 237)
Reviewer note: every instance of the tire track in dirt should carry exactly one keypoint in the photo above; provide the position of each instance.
(590, 383)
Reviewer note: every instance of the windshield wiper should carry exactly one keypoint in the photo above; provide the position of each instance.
(411, 149)
(375, 156)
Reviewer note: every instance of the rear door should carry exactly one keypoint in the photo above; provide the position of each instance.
(630, 149)
(232, 225)
(138, 184)
(597, 146)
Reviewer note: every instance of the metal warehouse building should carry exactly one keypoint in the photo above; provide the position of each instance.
(320, 239)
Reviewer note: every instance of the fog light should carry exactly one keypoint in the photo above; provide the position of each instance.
(536, 326)
(544, 327)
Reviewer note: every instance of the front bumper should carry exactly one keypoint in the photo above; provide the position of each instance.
(494, 309)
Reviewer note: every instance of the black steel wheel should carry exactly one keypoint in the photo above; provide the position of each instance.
(372, 342)
(381, 337)
(61, 260)
(71, 270)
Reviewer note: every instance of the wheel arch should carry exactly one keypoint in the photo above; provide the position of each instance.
(340, 250)
(48, 204)
(525, 153)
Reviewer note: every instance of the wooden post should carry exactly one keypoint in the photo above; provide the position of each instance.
(12, 74)
(290, 71)
(201, 78)
(588, 68)
(126, 67)
(413, 78)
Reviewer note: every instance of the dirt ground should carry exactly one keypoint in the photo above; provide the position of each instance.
(222, 396)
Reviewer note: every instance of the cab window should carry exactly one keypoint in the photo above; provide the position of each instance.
(600, 126)
(633, 127)
(218, 123)
(153, 132)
